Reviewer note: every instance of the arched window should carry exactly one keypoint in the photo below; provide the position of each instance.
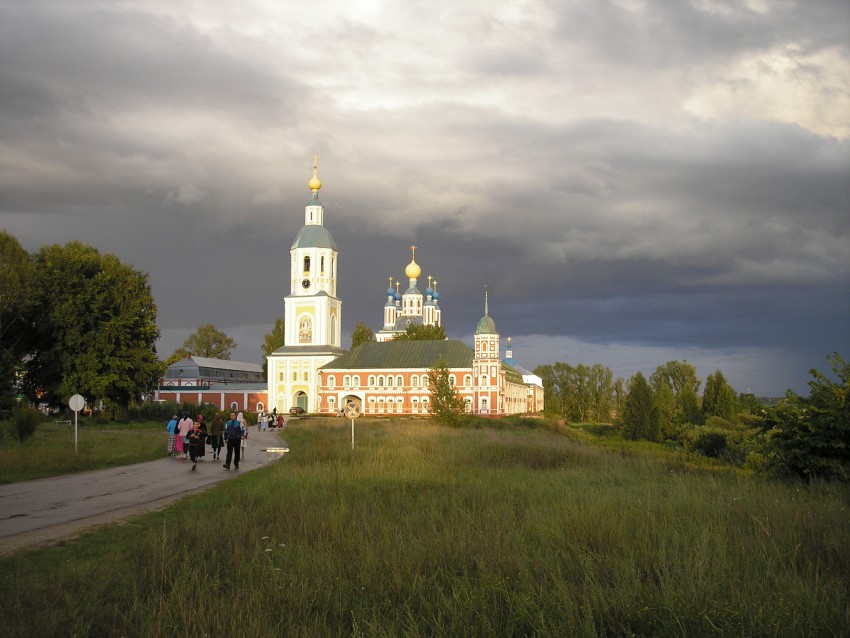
(381, 381)
(261, 407)
(295, 376)
(306, 376)
(425, 380)
(331, 381)
(399, 381)
(484, 380)
(452, 380)
(234, 406)
(371, 380)
(346, 381)
(356, 380)
(322, 266)
(467, 380)
(306, 266)
(414, 380)
(390, 381)
(280, 376)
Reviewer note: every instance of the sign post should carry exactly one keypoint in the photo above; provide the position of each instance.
(352, 411)
(76, 403)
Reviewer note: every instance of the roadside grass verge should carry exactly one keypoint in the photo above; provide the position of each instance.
(429, 531)
(50, 451)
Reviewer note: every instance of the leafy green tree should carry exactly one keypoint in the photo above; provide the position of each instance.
(582, 393)
(209, 341)
(619, 396)
(96, 328)
(640, 415)
(811, 437)
(719, 398)
(274, 340)
(361, 334)
(422, 333)
(16, 314)
(665, 404)
(445, 405)
(550, 396)
(689, 407)
(681, 378)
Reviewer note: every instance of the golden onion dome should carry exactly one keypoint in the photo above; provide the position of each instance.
(413, 270)
(315, 183)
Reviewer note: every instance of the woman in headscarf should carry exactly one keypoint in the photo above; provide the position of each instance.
(196, 443)
(241, 418)
(217, 436)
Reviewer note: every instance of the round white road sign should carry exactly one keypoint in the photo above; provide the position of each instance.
(76, 403)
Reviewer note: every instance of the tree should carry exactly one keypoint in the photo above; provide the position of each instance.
(273, 340)
(719, 399)
(582, 393)
(361, 334)
(689, 407)
(16, 314)
(550, 399)
(811, 436)
(422, 333)
(95, 327)
(209, 341)
(445, 405)
(640, 416)
(681, 378)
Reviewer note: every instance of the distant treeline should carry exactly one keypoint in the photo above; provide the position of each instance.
(799, 436)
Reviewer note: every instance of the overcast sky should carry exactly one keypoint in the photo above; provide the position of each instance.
(634, 182)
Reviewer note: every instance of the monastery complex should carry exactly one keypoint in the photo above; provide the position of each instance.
(313, 372)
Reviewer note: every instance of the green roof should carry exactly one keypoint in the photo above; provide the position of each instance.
(314, 236)
(404, 354)
(486, 326)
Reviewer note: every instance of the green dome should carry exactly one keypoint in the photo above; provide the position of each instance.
(486, 326)
(314, 237)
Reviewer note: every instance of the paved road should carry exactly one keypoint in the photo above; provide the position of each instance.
(48, 510)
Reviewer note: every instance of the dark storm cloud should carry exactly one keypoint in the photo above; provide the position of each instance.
(543, 150)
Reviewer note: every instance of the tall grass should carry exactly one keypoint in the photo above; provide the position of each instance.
(426, 531)
(50, 451)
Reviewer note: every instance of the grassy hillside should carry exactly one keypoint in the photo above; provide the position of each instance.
(428, 531)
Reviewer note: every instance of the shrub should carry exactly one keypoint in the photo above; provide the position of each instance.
(23, 424)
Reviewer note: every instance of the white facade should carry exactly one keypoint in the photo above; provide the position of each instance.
(312, 314)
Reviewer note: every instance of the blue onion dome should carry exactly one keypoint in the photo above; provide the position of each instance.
(390, 292)
(397, 296)
(429, 291)
(435, 296)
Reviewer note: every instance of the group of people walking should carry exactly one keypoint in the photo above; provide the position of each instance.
(187, 439)
(269, 421)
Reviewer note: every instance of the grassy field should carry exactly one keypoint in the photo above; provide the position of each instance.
(50, 451)
(428, 531)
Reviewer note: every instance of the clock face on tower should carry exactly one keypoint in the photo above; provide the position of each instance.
(305, 284)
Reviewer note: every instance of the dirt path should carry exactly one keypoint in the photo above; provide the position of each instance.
(42, 512)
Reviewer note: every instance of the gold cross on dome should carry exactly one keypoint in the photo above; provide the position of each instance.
(429, 280)
(413, 249)
(397, 284)
(390, 279)
(315, 162)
